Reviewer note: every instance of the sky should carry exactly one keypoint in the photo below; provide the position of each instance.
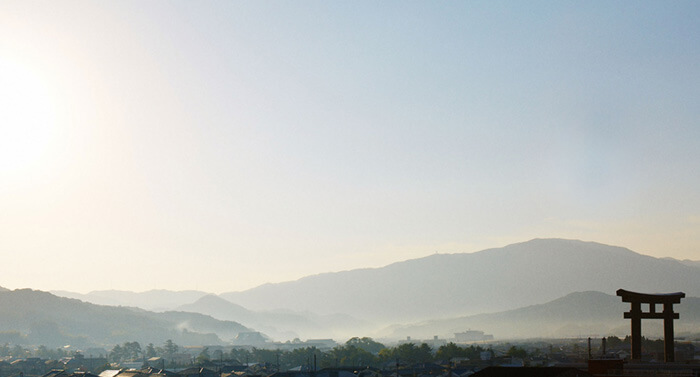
(220, 145)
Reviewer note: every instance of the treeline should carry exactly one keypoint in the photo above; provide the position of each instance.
(132, 351)
(357, 352)
(648, 345)
(43, 352)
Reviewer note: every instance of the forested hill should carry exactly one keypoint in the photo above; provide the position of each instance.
(282, 324)
(442, 285)
(36, 317)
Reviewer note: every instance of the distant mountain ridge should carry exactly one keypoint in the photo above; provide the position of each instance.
(154, 300)
(688, 262)
(445, 285)
(37, 317)
(429, 288)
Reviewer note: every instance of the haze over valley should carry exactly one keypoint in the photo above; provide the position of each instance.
(502, 291)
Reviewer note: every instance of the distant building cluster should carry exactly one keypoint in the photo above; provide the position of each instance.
(471, 336)
(466, 337)
(258, 340)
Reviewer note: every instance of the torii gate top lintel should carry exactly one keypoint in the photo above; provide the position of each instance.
(658, 298)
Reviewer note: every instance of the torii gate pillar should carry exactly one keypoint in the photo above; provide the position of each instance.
(636, 314)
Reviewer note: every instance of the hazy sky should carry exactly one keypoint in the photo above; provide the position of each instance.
(218, 145)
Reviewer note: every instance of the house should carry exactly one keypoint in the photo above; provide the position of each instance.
(233, 367)
(156, 372)
(531, 372)
(197, 372)
(29, 366)
(471, 336)
(82, 363)
(156, 362)
(427, 369)
(83, 374)
(335, 372)
(56, 373)
(131, 373)
(63, 373)
(107, 373)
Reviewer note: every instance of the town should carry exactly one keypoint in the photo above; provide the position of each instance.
(357, 357)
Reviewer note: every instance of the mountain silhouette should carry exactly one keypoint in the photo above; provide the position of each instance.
(448, 285)
(154, 300)
(37, 317)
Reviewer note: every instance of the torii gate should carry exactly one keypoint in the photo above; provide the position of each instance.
(636, 314)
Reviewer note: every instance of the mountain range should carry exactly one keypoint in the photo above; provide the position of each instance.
(440, 286)
(36, 317)
(447, 285)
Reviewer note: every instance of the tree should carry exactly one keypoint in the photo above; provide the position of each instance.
(18, 351)
(170, 348)
(43, 352)
(518, 352)
(367, 344)
(151, 350)
(386, 354)
(450, 351)
(218, 355)
(117, 353)
(350, 355)
(613, 341)
(264, 356)
(242, 355)
(298, 357)
(408, 353)
(424, 354)
(132, 350)
(203, 357)
(126, 351)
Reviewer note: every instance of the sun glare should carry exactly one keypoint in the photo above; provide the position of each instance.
(26, 118)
